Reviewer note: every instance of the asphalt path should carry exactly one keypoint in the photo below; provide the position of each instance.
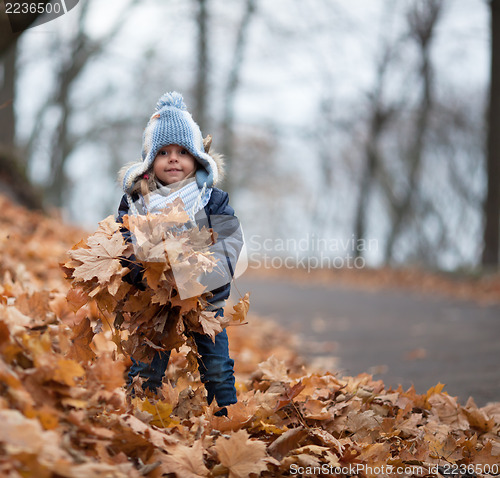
(399, 336)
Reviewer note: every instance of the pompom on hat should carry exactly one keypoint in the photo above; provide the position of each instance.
(172, 124)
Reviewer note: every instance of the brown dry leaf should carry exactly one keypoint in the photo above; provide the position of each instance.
(241, 455)
(101, 260)
(66, 371)
(76, 298)
(81, 340)
(316, 410)
(320, 386)
(48, 417)
(375, 454)
(210, 324)
(153, 272)
(489, 455)
(161, 296)
(184, 461)
(240, 310)
(22, 435)
(240, 414)
(290, 440)
(478, 419)
(35, 304)
(288, 395)
(108, 227)
(160, 411)
(274, 370)
(185, 305)
(135, 427)
(448, 410)
(107, 372)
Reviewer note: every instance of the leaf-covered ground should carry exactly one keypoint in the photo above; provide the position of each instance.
(64, 409)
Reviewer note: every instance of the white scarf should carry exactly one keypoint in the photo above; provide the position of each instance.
(193, 198)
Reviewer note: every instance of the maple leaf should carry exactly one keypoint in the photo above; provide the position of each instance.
(210, 324)
(162, 296)
(101, 260)
(185, 461)
(81, 340)
(107, 372)
(274, 370)
(241, 455)
(108, 227)
(185, 305)
(35, 304)
(478, 418)
(240, 414)
(185, 279)
(240, 310)
(316, 410)
(161, 412)
(288, 395)
(66, 371)
(153, 272)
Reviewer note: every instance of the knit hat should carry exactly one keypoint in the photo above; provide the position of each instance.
(172, 124)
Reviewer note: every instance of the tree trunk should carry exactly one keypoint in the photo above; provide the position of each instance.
(379, 117)
(201, 86)
(14, 182)
(423, 19)
(7, 123)
(491, 238)
(7, 37)
(231, 88)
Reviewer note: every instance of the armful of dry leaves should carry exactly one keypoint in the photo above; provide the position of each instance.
(170, 302)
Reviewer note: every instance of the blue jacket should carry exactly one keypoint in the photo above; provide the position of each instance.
(220, 217)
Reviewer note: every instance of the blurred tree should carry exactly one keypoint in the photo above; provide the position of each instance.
(202, 66)
(13, 177)
(203, 74)
(423, 18)
(59, 108)
(379, 116)
(7, 122)
(233, 82)
(491, 238)
(7, 36)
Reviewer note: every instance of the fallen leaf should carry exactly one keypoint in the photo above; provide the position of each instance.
(184, 461)
(81, 340)
(66, 371)
(241, 455)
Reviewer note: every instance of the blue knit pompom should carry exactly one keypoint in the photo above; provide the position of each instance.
(171, 99)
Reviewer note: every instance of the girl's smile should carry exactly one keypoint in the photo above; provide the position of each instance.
(173, 163)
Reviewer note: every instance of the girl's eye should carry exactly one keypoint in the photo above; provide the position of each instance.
(184, 151)
(163, 153)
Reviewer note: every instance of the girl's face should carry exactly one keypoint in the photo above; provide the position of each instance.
(173, 163)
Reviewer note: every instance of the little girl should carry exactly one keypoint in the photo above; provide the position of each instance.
(176, 163)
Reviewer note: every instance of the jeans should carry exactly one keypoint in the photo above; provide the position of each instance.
(215, 366)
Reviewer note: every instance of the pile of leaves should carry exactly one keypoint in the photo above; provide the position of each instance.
(64, 409)
(169, 258)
